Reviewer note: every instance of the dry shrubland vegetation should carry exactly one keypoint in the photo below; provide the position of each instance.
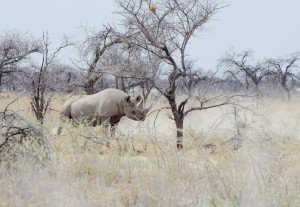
(209, 140)
(141, 166)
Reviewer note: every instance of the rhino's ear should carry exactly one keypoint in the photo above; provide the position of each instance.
(127, 99)
(138, 98)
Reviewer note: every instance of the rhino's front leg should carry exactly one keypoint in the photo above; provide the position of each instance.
(107, 122)
(113, 121)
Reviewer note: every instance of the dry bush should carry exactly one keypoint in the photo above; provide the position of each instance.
(21, 139)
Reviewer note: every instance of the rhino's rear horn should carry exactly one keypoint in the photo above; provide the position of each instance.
(140, 104)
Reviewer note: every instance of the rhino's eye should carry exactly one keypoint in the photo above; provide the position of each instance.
(133, 112)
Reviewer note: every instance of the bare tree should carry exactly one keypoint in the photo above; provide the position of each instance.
(41, 86)
(131, 68)
(92, 51)
(123, 62)
(63, 77)
(165, 32)
(14, 49)
(242, 64)
(284, 70)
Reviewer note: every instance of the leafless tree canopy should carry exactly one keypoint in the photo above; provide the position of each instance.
(285, 70)
(92, 53)
(280, 71)
(14, 49)
(242, 64)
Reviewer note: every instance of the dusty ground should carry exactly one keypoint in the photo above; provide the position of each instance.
(141, 166)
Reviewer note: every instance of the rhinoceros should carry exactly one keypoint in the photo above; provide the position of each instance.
(110, 104)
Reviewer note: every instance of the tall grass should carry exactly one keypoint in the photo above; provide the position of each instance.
(141, 166)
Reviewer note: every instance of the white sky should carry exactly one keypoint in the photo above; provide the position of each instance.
(270, 28)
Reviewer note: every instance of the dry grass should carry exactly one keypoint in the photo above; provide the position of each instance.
(141, 166)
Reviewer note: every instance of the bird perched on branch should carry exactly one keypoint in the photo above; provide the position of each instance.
(152, 8)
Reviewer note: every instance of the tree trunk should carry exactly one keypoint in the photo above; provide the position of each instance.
(256, 88)
(0, 80)
(120, 84)
(178, 118)
(146, 89)
(285, 87)
(288, 92)
(123, 87)
(101, 84)
(247, 85)
(90, 87)
(179, 135)
(117, 83)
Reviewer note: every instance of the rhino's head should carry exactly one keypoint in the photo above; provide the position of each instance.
(133, 108)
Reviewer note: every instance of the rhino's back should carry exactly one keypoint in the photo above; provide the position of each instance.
(109, 94)
(103, 104)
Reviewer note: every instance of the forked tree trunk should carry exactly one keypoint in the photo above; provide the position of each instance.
(178, 118)
(90, 87)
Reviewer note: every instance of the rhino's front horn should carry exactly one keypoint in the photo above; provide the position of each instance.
(145, 111)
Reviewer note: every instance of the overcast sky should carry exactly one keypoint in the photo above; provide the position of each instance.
(269, 27)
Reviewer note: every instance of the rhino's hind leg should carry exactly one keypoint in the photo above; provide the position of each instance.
(112, 122)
